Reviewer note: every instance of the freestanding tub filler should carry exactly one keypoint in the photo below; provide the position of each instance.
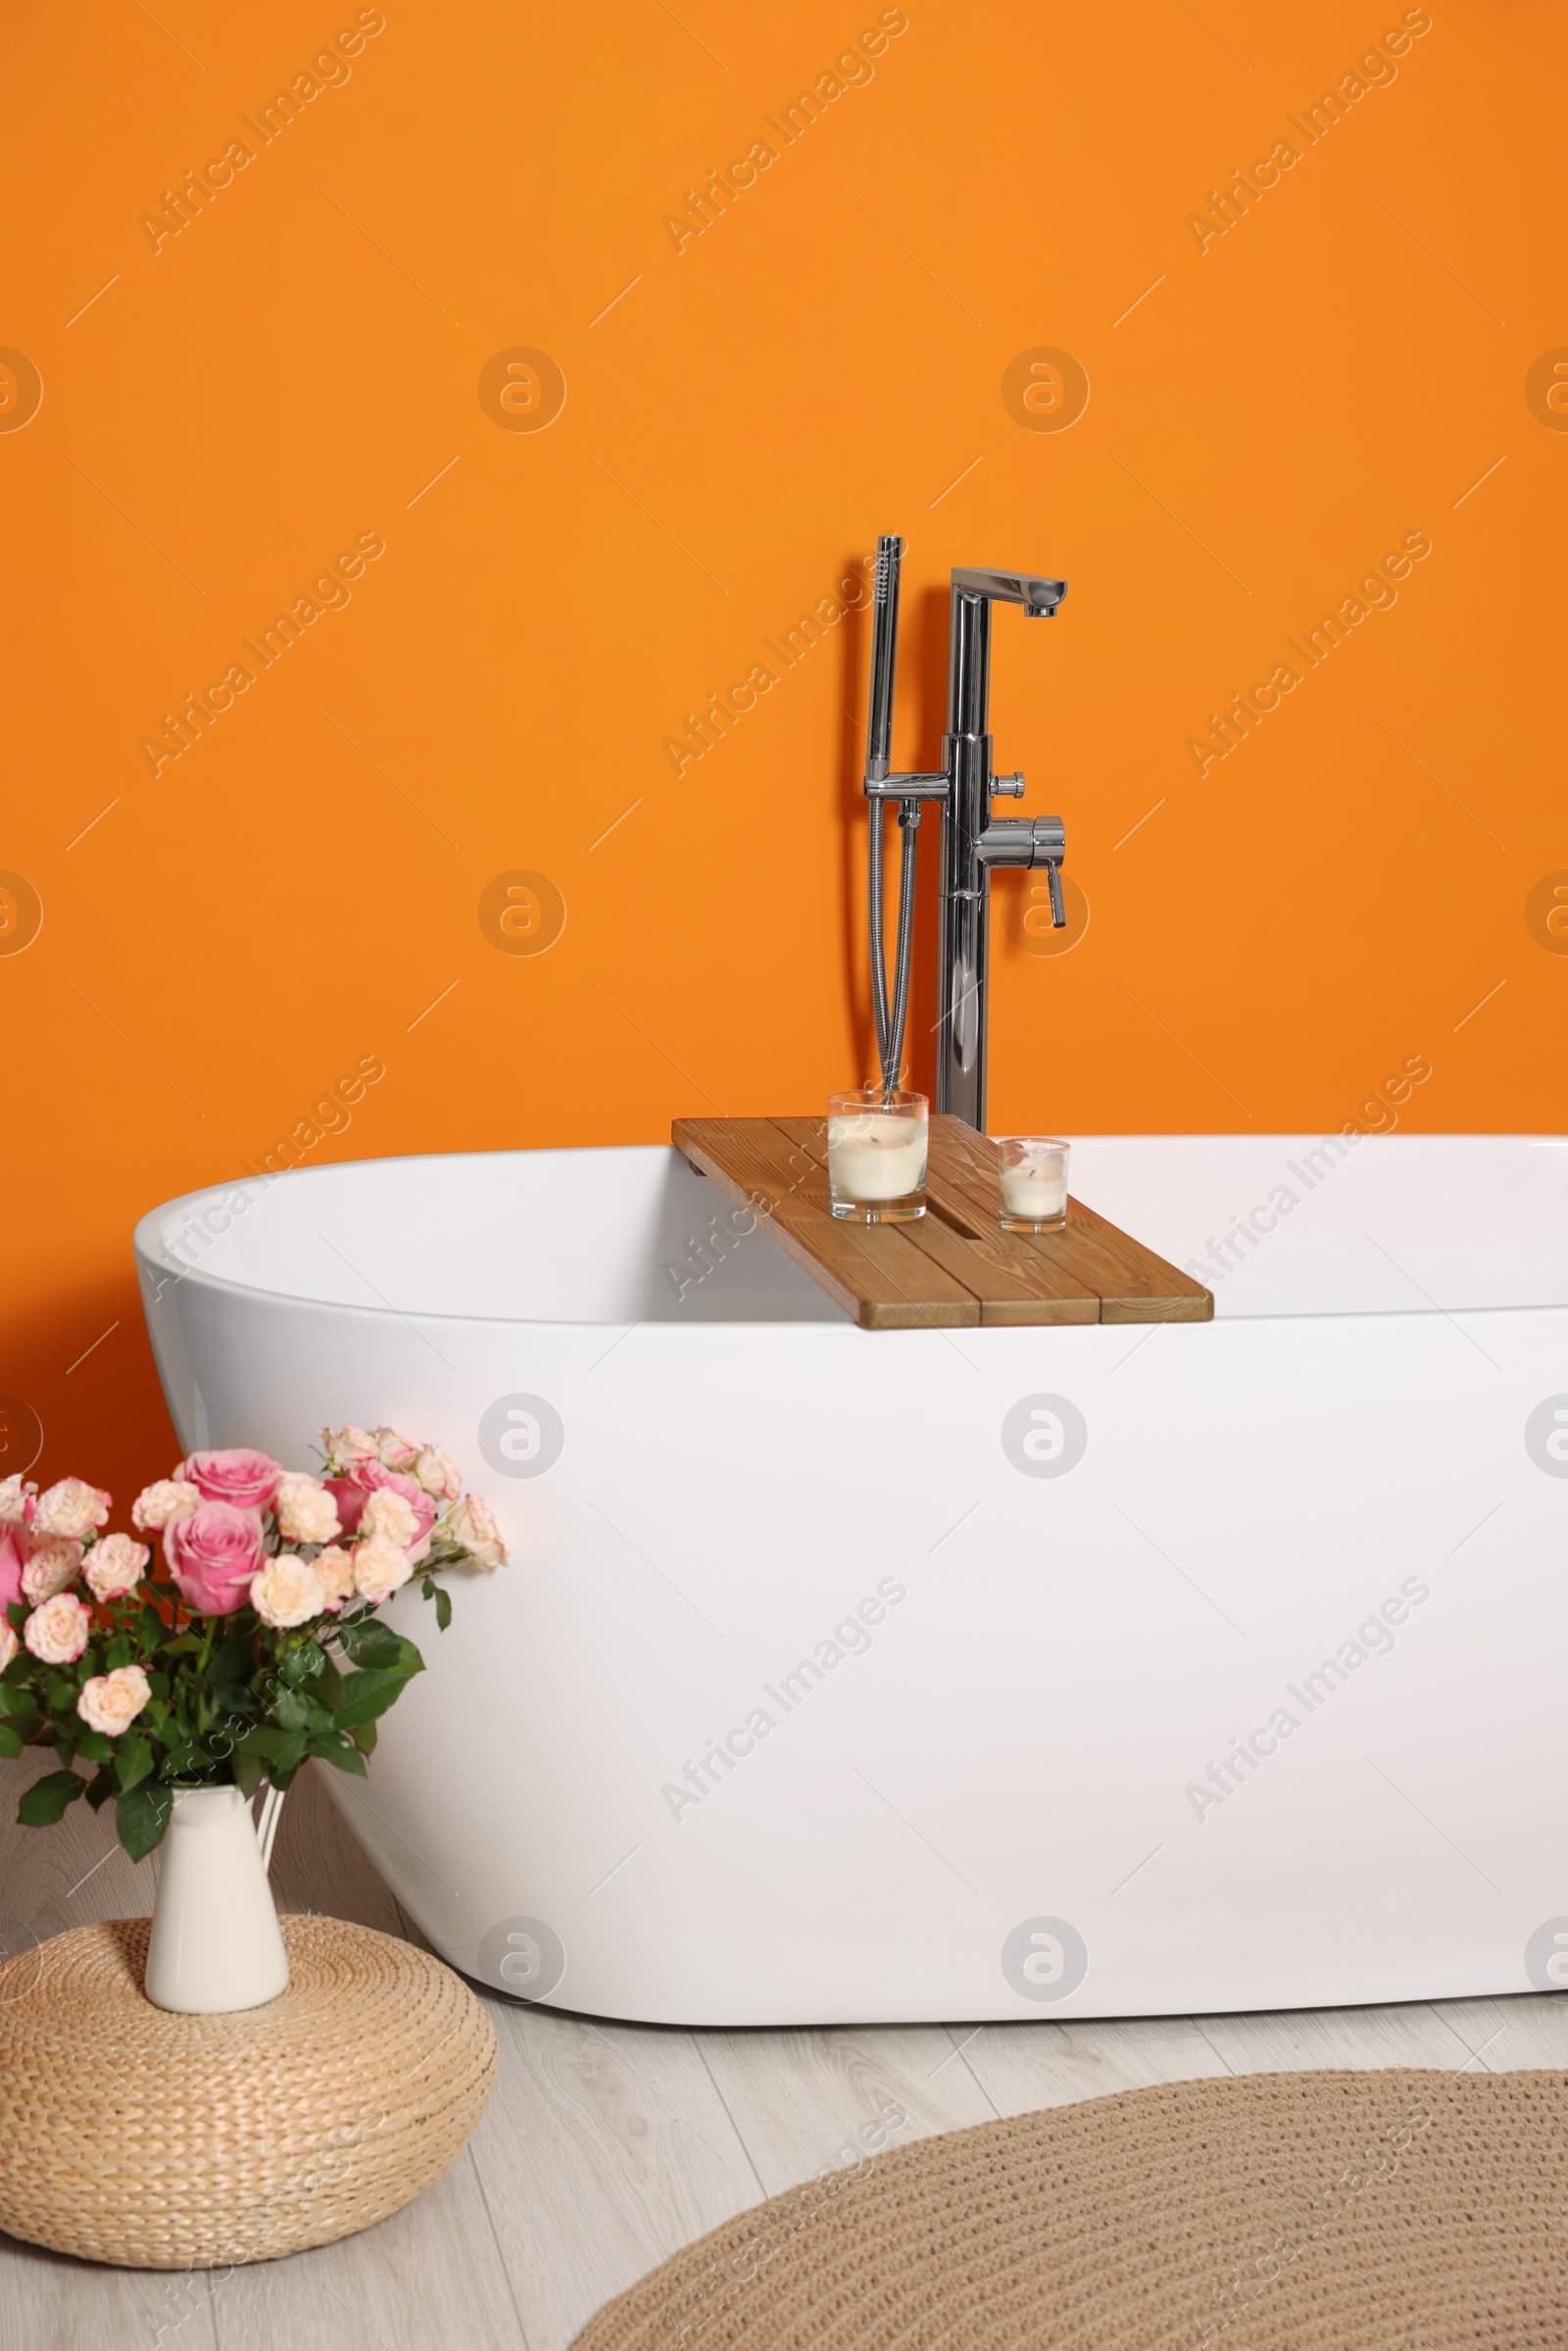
(987, 1674)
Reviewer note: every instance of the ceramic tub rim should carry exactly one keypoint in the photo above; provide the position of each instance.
(148, 1245)
(147, 1240)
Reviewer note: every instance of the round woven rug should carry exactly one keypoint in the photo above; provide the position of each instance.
(1278, 2212)
(168, 2142)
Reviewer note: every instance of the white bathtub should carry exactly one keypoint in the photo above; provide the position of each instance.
(899, 1676)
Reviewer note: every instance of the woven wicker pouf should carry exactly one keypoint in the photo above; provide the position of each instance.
(168, 2142)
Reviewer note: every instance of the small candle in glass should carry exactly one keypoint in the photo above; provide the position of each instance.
(876, 1148)
(1034, 1183)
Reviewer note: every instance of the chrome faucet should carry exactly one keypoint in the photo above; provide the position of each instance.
(974, 841)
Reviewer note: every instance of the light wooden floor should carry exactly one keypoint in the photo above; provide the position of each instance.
(606, 2148)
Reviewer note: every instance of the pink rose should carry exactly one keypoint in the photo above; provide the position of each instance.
(58, 1631)
(14, 1550)
(369, 1477)
(212, 1553)
(239, 1475)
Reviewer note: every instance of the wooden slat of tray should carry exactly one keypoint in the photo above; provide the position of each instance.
(953, 1267)
(1013, 1285)
(875, 1272)
(1134, 1283)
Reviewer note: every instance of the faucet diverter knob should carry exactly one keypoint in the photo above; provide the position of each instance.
(1010, 784)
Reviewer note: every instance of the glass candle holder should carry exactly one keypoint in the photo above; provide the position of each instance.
(876, 1149)
(1034, 1183)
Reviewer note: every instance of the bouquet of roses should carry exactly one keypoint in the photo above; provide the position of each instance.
(257, 1645)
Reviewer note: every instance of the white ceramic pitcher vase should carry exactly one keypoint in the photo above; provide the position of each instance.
(216, 1942)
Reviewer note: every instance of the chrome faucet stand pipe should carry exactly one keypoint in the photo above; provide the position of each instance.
(974, 841)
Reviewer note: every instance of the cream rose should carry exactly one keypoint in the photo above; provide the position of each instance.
(437, 1475)
(58, 1631)
(346, 1445)
(386, 1513)
(51, 1568)
(115, 1566)
(380, 1567)
(335, 1572)
(111, 1702)
(72, 1508)
(472, 1523)
(160, 1504)
(287, 1592)
(13, 1500)
(306, 1511)
(9, 1645)
(394, 1451)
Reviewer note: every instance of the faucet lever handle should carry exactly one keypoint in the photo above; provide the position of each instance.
(1050, 846)
(1013, 785)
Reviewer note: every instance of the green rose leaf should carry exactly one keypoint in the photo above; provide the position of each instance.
(231, 1660)
(302, 1664)
(9, 1740)
(134, 1761)
(95, 1747)
(46, 1799)
(370, 1645)
(282, 1750)
(329, 1689)
(291, 1710)
(248, 1771)
(143, 1817)
(443, 1604)
(363, 1738)
(118, 1652)
(19, 1704)
(100, 1789)
(237, 1697)
(333, 1747)
(367, 1696)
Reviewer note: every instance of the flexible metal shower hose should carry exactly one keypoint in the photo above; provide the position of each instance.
(891, 1022)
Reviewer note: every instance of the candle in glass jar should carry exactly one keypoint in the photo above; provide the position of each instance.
(1032, 1177)
(1035, 1187)
(873, 1157)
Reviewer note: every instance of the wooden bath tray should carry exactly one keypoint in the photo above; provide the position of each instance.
(952, 1267)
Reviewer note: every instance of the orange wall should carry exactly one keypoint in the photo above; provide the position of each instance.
(300, 367)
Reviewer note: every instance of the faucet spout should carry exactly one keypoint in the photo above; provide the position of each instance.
(1037, 596)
